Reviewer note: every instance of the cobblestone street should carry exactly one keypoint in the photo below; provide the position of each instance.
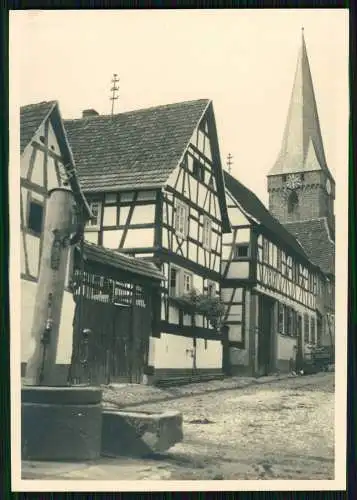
(275, 430)
(281, 430)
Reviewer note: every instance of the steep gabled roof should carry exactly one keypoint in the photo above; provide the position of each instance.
(315, 238)
(134, 149)
(31, 118)
(302, 146)
(256, 211)
(140, 149)
(120, 261)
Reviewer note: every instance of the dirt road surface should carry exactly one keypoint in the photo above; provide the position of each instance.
(282, 430)
(278, 430)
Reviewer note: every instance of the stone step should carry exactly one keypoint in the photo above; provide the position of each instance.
(136, 433)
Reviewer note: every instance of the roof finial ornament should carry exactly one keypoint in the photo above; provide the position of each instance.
(229, 162)
(114, 91)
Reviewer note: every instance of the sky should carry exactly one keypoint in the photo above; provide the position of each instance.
(244, 60)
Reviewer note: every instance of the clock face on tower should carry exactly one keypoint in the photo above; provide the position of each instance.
(328, 186)
(293, 181)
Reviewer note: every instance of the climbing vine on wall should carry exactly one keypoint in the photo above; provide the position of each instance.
(209, 306)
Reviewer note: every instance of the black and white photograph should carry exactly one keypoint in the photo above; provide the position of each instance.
(178, 251)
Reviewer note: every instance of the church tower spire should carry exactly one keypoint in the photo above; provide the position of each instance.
(300, 184)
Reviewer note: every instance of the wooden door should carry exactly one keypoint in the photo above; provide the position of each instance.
(118, 344)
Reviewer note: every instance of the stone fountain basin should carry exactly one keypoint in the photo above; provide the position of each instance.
(139, 433)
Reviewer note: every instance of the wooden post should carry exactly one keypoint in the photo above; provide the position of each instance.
(50, 287)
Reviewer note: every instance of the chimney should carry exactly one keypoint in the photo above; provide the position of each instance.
(88, 113)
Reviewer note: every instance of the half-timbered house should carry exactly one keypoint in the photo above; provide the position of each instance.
(269, 286)
(46, 163)
(154, 182)
(107, 293)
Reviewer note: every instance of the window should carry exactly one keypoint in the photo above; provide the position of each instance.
(181, 216)
(293, 202)
(289, 321)
(35, 218)
(207, 233)
(290, 268)
(198, 170)
(96, 209)
(265, 250)
(295, 272)
(283, 263)
(241, 251)
(314, 285)
(319, 331)
(279, 259)
(211, 289)
(180, 282)
(313, 335)
(187, 282)
(173, 282)
(280, 318)
(306, 328)
(298, 325)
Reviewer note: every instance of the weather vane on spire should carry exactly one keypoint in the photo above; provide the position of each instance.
(114, 90)
(229, 162)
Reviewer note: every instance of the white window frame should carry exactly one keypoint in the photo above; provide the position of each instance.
(182, 275)
(207, 233)
(94, 225)
(181, 219)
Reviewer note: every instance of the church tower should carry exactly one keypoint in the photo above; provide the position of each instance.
(300, 184)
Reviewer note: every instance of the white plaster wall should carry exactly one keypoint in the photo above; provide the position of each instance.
(139, 238)
(236, 217)
(91, 236)
(238, 270)
(210, 357)
(151, 354)
(235, 333)
(285, 347)
(111, 239)
(173, 315)
(170, 351)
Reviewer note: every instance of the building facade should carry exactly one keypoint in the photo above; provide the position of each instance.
(154, 182)
(269, 286)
